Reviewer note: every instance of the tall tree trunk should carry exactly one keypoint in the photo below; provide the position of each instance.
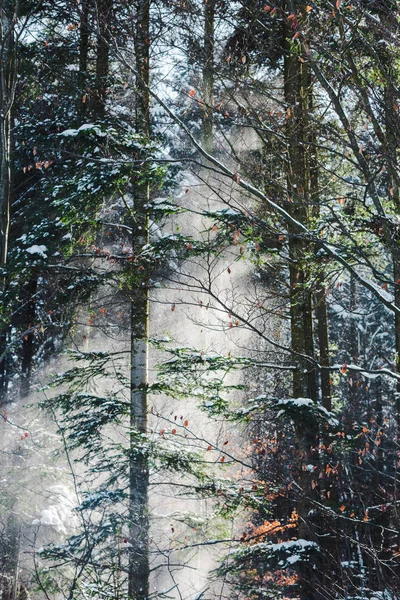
(208, 73)
(104, 12)
(297, 98)
(392, 138)
(5, 179)
(321, 309)
(83, 58)
(7, 87)
(296, 90)
(392, 131)
(139, 568)
(321, 312)
(8, 15)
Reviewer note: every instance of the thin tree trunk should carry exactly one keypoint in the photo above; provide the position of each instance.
(323, 341)
(5, 182)
(139, 569)
(392, 130)
(7, 83)
(8, 16)
(28, 342)
(392, 133)
(321, 309)
(208, 73)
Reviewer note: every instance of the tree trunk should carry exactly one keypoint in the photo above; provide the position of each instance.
(323, 341)
(208, 73)
(83, 58)
(296, 90)
(8, 17)
(392, 140)
(9, 560)
(28, 341)
(104, 12)
(138, 576)
(321, 309)
(7, 84)
(296, 93)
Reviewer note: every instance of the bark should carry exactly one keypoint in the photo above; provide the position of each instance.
(8, 69)
(208, 73)
(392, 130)
(296, 90)
(321, 309)
(10, 586)
(5, 182)
(323, 341)
(138, 575)
(104, 12)
(28, 341)
(7, 84)
(392, 142)
(83, 57)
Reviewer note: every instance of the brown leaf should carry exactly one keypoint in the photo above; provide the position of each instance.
(236, 177)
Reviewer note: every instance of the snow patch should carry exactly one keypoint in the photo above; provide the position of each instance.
(35, 249)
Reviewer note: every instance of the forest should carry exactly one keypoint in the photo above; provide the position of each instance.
(200, 299)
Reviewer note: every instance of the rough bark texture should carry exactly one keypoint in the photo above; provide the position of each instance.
(296, 90)
(296, 93)
(208, 73)
(104, 12)
(83, 57)
(139, 570)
